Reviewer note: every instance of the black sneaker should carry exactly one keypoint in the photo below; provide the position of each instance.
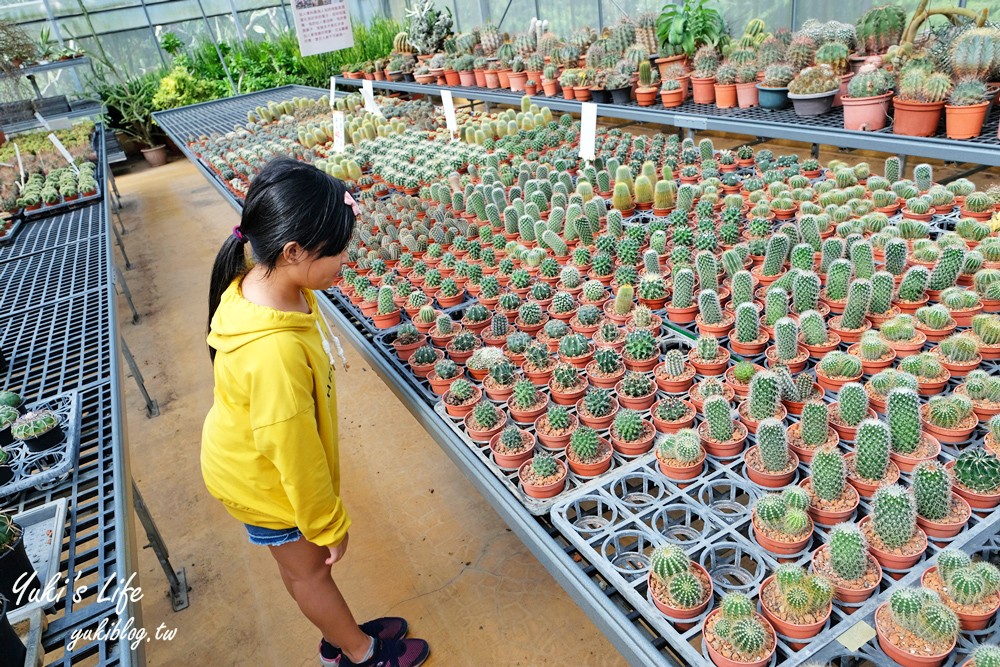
(393, 653)
(389, 627)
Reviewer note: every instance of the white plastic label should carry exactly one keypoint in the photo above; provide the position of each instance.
(449, 113)
(65, 153)
(41, 120)
(588, 130)
(333, 90)
(369, 96)
(20, 165)
(338, 131)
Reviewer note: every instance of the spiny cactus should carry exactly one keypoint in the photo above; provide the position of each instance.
(960, 348)
(813, 328)
(719, 419)
(747, 328)
(858, 299)
(805, 292)
(709, 307)
(585, 443)
(986, 656)
(829, 474)
(848, 552)
(628, 425)
(871, 459)
(815, 423)
(949, 411)
(903, 413)
(894, 515)
(978, 470)
(946, 270)
(668, 561)
(837, 364)
(764, 397)
(773, 445)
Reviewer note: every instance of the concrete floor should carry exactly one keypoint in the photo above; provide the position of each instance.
(424, 544)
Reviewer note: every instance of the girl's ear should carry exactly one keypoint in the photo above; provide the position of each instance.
(293, 253)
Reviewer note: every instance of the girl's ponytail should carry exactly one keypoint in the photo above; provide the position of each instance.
(229, 264)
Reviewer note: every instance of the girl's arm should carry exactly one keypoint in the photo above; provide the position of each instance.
(295, 449)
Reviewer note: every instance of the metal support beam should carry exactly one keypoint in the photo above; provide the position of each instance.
(506, 9)
(215, 43)
(121, 247)
(814, 151)
(176, 578)
(152, 33)
(120, 282)
(152, 409)
(236, 22)
(964, 174)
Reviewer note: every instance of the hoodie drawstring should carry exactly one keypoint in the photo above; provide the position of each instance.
(326, 342)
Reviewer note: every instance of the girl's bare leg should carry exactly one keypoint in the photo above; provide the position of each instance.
(307, 578)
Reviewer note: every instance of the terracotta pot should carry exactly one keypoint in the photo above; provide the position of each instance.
(636, 448)
(645, 97)
(674, 385)
(703, 90)
(640, 403)
(511, 461)
(492, 78)
(916, 119)
(834, 384)
(970, 621)
(907, 348)
(848, 335)
(866, 113)
(779, 547)
(724, 450)
(827, 517)
(718, 330)
(671, 98)
(951, 436)
(964, 122)
(693, 612)
(767, 479)
(867, 489)
(467, 79)
(960, 369)
(712, 368)
(682, 315)
(902, 656)
(592, 469)
(752, 423)
(459, 411)
(725, 96)
(643, 366)
(749, 349)
(746, 95)
(672, 427)
(786, 628)
(597, 423)
(555, 441)
(852, 595)
(908, 463)
(484, 436)
(893, 561)
(663, 64)
(871, 367)
(722, 661)
(945, 531)
(819, 351)
(681, 473)
(932, 387)
(560, 397)
(546, 490)
(404, 351)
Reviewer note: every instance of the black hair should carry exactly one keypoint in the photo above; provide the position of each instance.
(287, 201)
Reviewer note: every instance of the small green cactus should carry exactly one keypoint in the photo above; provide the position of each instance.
(640, 345)
(764, 397)
(629, 426)
(871, 460)
(597, 402)
(848, 552)
(709, 308)
(668, 561)
(719, 419)
(978, 470)
(544, 465)
(829, 474)
(894, 515)
(585, 444)
(903, 414)
(773, 445)
(815, 423)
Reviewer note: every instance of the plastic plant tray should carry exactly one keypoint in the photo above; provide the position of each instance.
(43, 528)
(97, 140)
(15, 227)
(510, 477)
(30, 628)
(38, 469)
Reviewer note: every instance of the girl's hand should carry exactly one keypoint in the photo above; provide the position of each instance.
(337, 551)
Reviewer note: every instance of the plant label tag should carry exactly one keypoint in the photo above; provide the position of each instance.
(449, 113)
(369, 96)
(857, 636)
(333, 90)
(588, 130)
(338, 131)
(20, 165)
(65, 153)
(41, 120)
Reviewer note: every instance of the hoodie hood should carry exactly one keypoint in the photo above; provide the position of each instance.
(238, 322)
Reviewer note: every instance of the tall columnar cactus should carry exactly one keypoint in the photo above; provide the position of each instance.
(747, 328)
(773, 445)
(923, 174)
(883, 291)
(838, 277)
(814, 330)
(871, 458)
(932, 490)
(708, 270)
(914, 284)
(903, 413)
(742, 287)
(815, 423)
(805, 292)
(848, 552)
(894, 515)
(719, 419)
(774, 256)
(764, 397)
(863, 260)
(946, 270)
(707, 347)
(775, 305)
(852, 403)
(893, 167)
(709, 308)
(858, 299)
(786, 339)
(829, 474)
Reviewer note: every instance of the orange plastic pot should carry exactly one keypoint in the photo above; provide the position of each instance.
(542, 490)
(964, 122)
(703, 90)
(866, 113)
(902, 656)
(725, 95)
(916, 119)
(786, 629)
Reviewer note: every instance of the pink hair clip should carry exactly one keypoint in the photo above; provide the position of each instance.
(349, 200)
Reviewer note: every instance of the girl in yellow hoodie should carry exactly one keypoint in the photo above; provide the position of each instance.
(269, 444)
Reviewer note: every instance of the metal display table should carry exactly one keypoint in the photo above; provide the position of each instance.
(827, 129)
(60, 333)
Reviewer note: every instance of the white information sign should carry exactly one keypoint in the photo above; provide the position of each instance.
(449, 113)
(588, 130)
(322, 25)
(338, 131)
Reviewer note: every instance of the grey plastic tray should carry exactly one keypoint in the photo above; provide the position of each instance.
(44, 527)
(30, 629)
(37, 469)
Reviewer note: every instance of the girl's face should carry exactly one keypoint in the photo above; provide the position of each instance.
(320, 273)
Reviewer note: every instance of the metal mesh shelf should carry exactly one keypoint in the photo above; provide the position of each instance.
(69, 227)
(58, 273)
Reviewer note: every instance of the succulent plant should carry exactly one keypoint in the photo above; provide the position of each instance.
(838, 364)
(894, 515)
(871, 459)
(848, 552)
(978, 470)
(773, 445)
(949, 411)
(720, 422)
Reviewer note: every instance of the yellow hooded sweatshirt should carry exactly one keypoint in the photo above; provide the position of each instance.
(269, 444)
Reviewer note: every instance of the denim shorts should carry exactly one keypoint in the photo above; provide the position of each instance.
(269, 537)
